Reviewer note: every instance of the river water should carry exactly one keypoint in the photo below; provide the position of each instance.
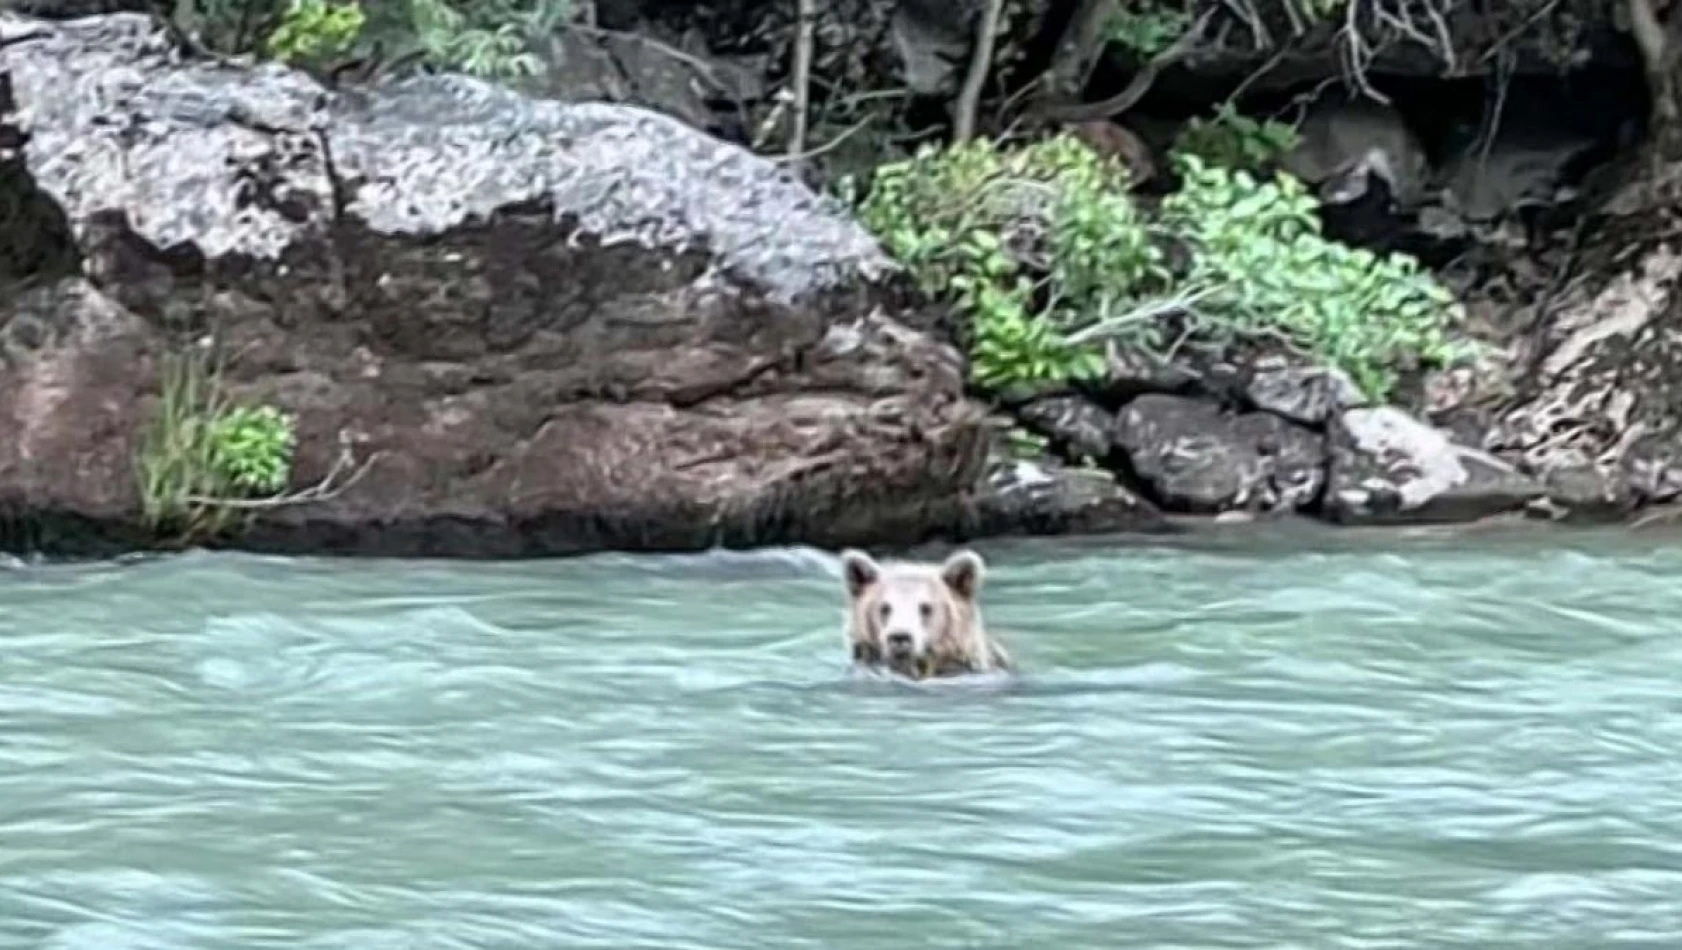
(1316, 741)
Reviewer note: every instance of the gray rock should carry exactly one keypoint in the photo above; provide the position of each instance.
(634, 69)
(74, 9)
(1197, 458)
(1310, 395)
(1130, 372)
(1586, 493)
(543, 328)
(1086, 428)
(1389, 467)
(930, 37)
(1045, 497)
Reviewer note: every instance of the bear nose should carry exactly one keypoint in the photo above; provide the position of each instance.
(899, 642)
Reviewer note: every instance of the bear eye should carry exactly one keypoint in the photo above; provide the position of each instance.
(926, 608)
(885, 610)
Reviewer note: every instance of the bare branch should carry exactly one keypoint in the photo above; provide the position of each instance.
(1182, 48)
(807, 13)
(830, 145)
(324, 490)
(980, 63)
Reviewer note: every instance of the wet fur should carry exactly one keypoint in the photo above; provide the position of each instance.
(957, 641)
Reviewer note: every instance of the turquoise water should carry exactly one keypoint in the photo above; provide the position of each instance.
(1323, 740)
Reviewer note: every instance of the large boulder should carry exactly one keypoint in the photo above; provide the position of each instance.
(1075, 426)
(1309, 395)
(1196, 457)
(1046, 497)
(1388, 467)
(533, 327)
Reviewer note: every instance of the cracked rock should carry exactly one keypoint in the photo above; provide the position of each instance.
(1389, 467)
(1195, 457)
(545, 328)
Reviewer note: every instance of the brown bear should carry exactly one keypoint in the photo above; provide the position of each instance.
(919, 620)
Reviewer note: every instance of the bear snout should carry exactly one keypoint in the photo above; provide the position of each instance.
(899, 643)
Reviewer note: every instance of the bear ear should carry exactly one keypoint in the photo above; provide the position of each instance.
(859, 570)
(963, 572)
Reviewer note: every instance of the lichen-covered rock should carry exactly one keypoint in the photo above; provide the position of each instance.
(1130, 372)
(1389, 467)
(73, 9)
(544, 328)
(1310, 395)
(1083, 428)
(1045, 497)
(1196, 457)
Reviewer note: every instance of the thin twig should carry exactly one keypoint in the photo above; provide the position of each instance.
(1260, 71)
(323, 490)
(1512, 34)
(828, 146)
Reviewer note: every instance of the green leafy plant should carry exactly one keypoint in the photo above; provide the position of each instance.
(251, 448)
(315, 29)
(489, 38)
(1027, 243)
(1149, 30)
(1230, 138)
(1265, 268)
(1043, 253)
(202, 452)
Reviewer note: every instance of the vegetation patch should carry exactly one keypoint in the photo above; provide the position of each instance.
(204, 454)
(1230, 138)
(1147, 30)
(315, 30)
(486, 38)
(1046, 255)
(1261, 267)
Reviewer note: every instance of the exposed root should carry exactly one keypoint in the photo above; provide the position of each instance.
(1141, 84)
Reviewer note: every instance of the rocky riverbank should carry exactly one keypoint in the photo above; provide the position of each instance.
(523, 327)
(507, 325)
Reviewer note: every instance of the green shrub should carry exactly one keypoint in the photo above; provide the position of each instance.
(1265, 269)
(1042, 251)
(1027, 243)
(1235, 140)
(251, 448)
(1150, 30)
(315, 30)
(202, 452)
(487, 38)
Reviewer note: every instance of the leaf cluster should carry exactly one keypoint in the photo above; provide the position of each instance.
(1043, 252)
(203, 450)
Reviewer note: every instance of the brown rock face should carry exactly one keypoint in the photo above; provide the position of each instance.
(543, 328)
(1595, 410)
